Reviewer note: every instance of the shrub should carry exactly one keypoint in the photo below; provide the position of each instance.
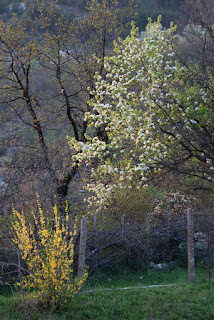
(135, 203)
(47, 248)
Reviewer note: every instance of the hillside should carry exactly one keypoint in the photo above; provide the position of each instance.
(168, 9)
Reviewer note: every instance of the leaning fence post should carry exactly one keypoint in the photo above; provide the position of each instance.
(82, 248)
(190, 246)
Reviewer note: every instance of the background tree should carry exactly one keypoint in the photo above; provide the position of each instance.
(53, 47)
(197, 42)
(169, 11)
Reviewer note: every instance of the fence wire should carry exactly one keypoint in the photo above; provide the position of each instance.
(9, 271)
(204, 242)
(127, 254)
(153, 252)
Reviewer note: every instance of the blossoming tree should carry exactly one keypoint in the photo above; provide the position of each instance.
(157, 114)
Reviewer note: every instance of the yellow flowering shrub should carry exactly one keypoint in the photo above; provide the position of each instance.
(48, 250)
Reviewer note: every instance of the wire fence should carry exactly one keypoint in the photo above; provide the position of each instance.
(204, 242)
(9, 266)
(128, 254)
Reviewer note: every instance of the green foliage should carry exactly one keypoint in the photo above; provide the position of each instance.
(136, 204)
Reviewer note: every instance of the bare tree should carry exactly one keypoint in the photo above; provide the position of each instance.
(67, 55)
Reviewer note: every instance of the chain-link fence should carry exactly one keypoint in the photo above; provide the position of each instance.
(10, 265)
(130, 254)
(204, 243)
(127, 254)
(149, 253)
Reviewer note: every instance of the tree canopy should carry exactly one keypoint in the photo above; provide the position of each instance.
(134, 114)
(157, 114)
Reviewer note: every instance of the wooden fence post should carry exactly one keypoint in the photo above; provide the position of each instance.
(190, 246)
(123, 223)
(168, 221)
(95, 221)
(82, 248)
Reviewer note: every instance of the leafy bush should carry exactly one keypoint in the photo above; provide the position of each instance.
(136, 204)
(47, 248)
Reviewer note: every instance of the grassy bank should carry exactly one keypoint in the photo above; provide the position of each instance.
(193, 301)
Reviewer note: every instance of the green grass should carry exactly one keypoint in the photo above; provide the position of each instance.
(182, 301)
(142, 277)
(193, 302)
